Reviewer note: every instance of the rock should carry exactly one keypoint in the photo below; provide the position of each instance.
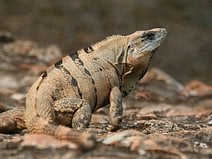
(6, 37)
(8, 82)
(18, 96)
(197, 88)
(19, 47)
(47, 54)
(42, 141)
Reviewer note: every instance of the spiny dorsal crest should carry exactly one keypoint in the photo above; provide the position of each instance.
(107, 41)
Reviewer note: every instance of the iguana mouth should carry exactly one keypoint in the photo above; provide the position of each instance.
(155, 50)
(151, 47)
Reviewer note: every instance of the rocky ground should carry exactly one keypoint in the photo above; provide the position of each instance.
(162, 117)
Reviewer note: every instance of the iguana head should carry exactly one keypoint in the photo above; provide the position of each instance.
(140, 47)
(142, 44)
(130, 54)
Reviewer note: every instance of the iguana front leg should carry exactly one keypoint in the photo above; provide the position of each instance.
(116, 108)
(73, 112)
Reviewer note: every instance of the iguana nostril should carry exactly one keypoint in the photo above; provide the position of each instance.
(148, 35)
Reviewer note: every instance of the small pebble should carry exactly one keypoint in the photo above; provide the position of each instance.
(18, 96)
(210, 122)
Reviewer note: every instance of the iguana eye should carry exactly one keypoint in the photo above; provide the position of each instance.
(131, 49)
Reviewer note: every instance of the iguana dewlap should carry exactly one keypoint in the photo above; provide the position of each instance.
(67, 93)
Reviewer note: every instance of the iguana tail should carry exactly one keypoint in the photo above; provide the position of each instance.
(41, 126)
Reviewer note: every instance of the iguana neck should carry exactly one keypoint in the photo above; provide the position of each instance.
(116, 59)
(130, 78)
(113, 50)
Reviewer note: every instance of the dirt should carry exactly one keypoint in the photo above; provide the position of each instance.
(162, 117)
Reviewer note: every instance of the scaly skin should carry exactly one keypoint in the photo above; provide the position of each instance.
(67, 93)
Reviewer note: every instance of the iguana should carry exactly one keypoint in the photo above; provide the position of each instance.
(69, 91)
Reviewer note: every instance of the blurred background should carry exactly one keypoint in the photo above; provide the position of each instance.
(73, 24)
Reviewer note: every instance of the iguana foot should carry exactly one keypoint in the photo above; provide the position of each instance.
(112, 127)
(7, 125)
(12, 120)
